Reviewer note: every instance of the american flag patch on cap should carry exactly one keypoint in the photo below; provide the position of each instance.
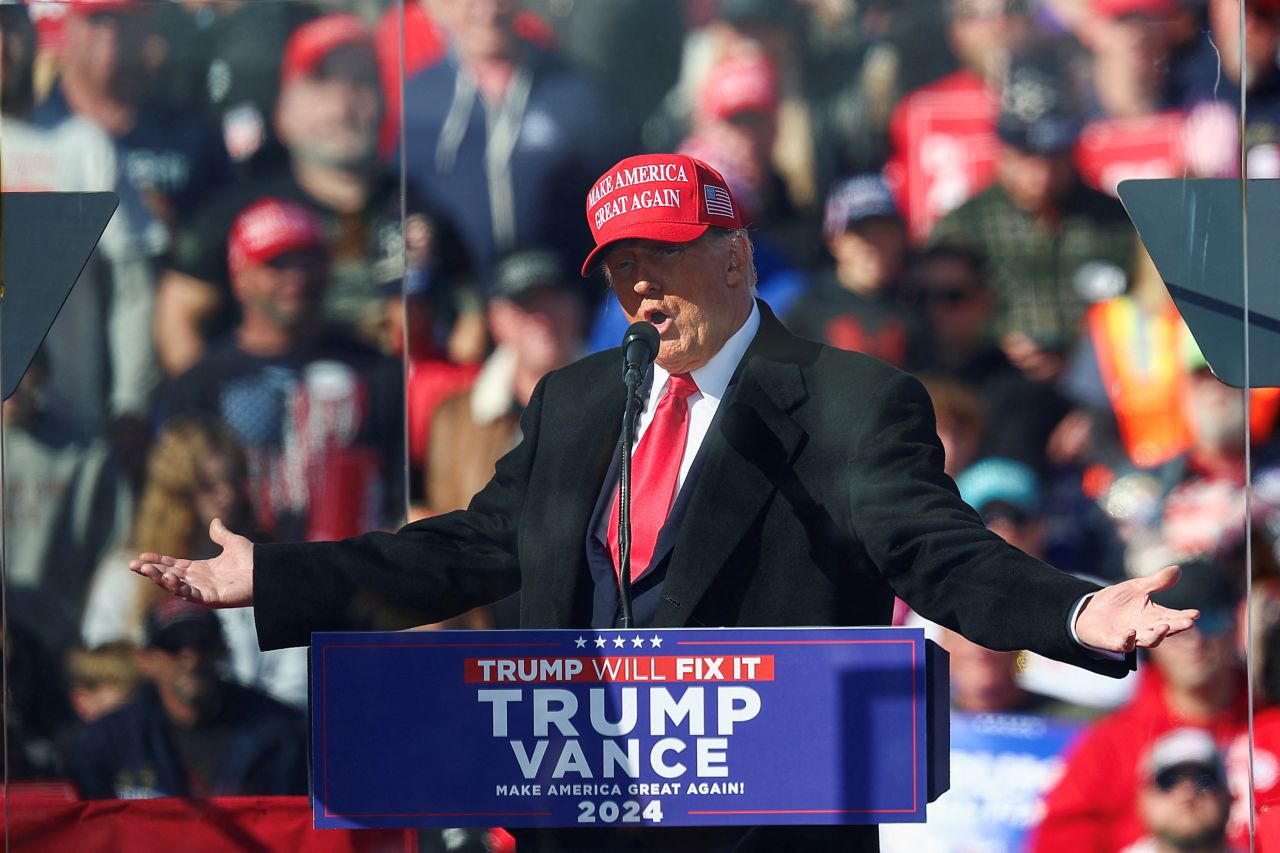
(719, 202)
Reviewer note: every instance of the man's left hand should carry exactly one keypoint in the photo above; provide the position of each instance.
(1122, 617)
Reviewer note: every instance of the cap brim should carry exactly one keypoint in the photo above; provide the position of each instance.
(665, 232)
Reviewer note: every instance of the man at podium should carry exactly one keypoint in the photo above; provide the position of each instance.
(777, 482)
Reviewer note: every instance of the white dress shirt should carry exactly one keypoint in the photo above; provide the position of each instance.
(712, 380)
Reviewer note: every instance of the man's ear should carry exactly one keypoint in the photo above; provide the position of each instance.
(738, 261)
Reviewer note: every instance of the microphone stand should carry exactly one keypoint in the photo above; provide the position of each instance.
(633, 378)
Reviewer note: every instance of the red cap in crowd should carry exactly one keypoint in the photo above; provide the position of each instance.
(1147, 8)
(170, 612)
(106, 7)
(269, 228)
(667, 197)
(738, 84)
(315, 40)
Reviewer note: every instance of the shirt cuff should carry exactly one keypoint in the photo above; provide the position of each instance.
(1094, 650)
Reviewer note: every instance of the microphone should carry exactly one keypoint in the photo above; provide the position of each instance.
(639, 348)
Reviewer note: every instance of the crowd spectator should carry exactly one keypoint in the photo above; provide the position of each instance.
(735, 123)
(1193, 506)
(1053, 244)
(1135, 127)
(941, 133)
(948, 285)
(36, 713)
(309, 405)
(100, 679)
(537, 317)
(1129, 47)
(861, 70)
(854, 305)
(1130, 374)
(188, 732)
(66, 504)
(537, 320)
(773, 28)
(222, 59)
(196, 472)
(1194, 679)
(328, 116)
(1008, 496)
(172, 158)
(101, 366)
(505, 137)
(1183, 798)
(587, 33)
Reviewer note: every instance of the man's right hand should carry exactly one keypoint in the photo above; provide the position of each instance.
(224, 581)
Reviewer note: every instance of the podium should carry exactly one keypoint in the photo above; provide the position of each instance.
(670, 727)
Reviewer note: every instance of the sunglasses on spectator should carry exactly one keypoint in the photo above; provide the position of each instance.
(1204, 779)
(948, 297)
(1005, 514)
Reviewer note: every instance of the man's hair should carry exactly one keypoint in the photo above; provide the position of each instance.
(956, 402)
(714, 232)
(969, 257)
(110, 664)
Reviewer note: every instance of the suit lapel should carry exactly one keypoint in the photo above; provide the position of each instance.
(752, 440)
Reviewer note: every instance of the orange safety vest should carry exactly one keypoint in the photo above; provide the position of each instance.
(1143, 362)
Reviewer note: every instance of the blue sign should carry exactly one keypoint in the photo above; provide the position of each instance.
(1004, 765)
(684, 727)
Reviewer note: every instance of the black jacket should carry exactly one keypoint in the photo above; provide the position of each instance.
(822, 495)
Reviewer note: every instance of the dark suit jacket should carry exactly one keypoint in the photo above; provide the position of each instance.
(821, 495)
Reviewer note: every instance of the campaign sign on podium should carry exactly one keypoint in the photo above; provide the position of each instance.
(672, 727)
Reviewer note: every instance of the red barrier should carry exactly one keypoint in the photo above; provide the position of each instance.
(44, 818)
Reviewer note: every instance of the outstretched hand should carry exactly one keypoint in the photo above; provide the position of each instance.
(223, 581)
(1122, 617)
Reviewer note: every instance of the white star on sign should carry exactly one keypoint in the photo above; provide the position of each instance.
(618, 642)
(580, 643)
(637, 641)
(599, 642)
(656, 642)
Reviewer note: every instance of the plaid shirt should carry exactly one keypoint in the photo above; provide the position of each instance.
(1035, 272)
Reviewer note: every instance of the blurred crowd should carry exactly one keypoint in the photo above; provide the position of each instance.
(331, 287)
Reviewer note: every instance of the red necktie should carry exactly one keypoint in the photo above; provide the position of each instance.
(655, 466)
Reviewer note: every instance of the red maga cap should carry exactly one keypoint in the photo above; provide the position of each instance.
(267, 229)
(315, 40)
(667, 197)
(740, 84)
